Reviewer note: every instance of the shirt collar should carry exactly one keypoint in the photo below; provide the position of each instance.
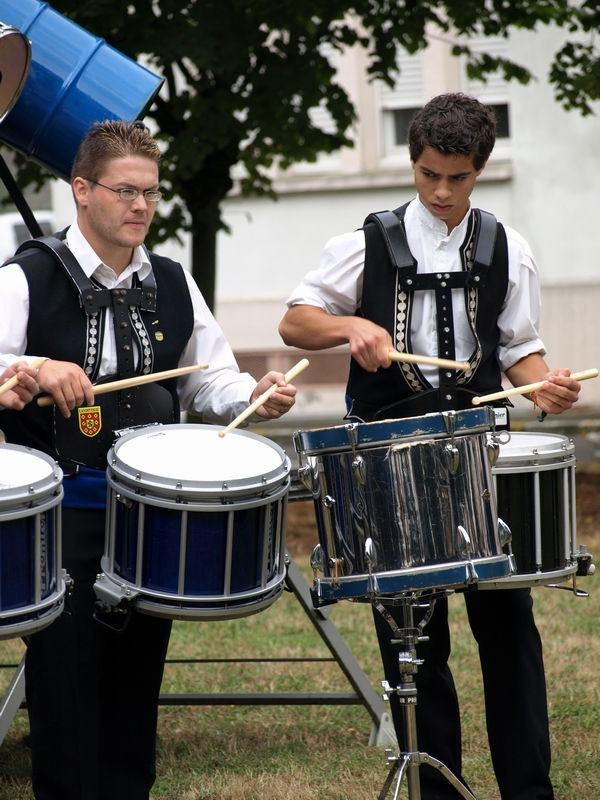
(93, 265)
(438, 226)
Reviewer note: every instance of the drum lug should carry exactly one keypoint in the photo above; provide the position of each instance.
(371, 560)
(453, 457)
(317, 560)
(122, 499)
(493, 451)
(504, 533)
(308, 475)
(465, 538)
(358, 468)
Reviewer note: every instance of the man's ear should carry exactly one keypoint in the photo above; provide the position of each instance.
(80, 191)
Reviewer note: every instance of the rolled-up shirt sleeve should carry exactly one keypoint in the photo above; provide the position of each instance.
(336, 286)
(519, 320)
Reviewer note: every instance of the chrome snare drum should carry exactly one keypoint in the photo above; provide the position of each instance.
(403, 505)
(535, 492)
(196, 523)
(32, 585)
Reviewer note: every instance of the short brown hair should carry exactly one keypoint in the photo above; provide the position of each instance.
(454, 124)
(109, 140)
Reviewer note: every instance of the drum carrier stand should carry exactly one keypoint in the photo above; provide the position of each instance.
(408, 762)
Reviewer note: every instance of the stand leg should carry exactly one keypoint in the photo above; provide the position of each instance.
(339, 649)
(408, 763)
(12, 699)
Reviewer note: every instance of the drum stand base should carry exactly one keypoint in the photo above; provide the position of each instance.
(408, 762)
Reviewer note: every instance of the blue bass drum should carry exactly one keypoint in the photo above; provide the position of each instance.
(403, 505)
(196, 523)
(75, 79)
(32, 585)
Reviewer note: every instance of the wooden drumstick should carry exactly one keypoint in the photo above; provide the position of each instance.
(531, 387)
(443, 363)
(127, 383)
(302, 364)
(12, 382)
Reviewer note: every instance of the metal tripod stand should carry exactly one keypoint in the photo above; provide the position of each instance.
(408, 762)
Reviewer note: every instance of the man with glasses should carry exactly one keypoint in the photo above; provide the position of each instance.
(99, 306)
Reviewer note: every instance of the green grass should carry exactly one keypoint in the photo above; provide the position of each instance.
(321, 752)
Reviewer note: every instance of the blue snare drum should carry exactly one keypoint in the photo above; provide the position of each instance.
(403, 505)
(196, 523)
(32, 585)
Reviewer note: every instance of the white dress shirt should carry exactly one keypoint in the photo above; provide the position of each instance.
(217, 394)
(337, 288)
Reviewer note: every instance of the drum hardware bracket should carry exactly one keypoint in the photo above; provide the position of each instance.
(585, 565)
(113, 605)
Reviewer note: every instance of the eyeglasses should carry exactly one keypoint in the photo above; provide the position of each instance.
(150, 195)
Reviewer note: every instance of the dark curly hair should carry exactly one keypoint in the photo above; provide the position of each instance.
(454, 124)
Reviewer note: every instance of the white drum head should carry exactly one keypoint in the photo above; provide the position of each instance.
(194, 453)
(21, 468)
(193, 461)
(26, 474)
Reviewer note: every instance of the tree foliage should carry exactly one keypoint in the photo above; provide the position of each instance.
(242, 75)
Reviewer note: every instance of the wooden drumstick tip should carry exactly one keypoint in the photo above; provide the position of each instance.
(290, 375)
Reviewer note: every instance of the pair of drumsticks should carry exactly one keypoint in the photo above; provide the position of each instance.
(394, 355)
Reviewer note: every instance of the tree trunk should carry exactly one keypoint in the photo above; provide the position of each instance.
(204, 257)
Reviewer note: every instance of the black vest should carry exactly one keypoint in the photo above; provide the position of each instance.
(402, 390)
(59, 328)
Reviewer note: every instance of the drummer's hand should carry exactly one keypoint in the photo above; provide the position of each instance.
(369, 344)
(559, 392)
(24, 391)
(280, 401)
(67, 383)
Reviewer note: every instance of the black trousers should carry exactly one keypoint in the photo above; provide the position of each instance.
(92, 693)
(510, 652)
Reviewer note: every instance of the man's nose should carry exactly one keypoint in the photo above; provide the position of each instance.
(442, 190)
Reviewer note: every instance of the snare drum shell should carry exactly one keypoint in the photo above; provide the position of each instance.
(206, 544)
(411, 497)
(535, 488)
(31, 583)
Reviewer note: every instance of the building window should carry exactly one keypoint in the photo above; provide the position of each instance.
(502, 120)
(402, 118)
